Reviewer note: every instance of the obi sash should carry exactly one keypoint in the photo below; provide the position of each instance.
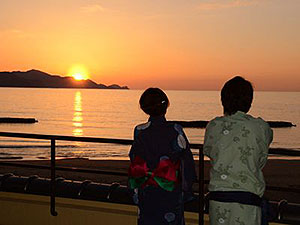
(165, 175)
(246, 198)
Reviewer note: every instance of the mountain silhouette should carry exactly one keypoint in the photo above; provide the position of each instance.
(38, 79)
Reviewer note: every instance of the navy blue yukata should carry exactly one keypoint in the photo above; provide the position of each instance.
(161, 173)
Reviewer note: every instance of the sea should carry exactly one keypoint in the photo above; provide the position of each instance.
(114, 113)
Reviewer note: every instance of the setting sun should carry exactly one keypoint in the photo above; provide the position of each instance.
(78, 72)
(78, 76)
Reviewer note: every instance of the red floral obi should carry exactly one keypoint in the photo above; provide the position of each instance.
(165, 174)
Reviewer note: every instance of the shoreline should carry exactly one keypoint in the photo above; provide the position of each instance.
(277, 172)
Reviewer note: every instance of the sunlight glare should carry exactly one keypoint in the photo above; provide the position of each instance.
(77, 118)
(78, 72)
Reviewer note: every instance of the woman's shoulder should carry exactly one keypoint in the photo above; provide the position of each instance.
(180, 140)
(258, 121)
(216, 120)
(143, 126)
(138, 129)
(248, 119)
(259, 126)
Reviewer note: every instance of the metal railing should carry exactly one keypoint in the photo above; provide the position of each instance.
(53, 168)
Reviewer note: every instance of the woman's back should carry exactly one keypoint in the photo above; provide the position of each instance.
(158, 138)
(238, 148)
(162, 166)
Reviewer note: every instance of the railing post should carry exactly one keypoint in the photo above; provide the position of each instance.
(201, 187)
(53, 188)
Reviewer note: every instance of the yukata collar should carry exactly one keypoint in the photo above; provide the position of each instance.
(157, 119)
(239, 115)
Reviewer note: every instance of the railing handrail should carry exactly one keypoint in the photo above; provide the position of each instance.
(67, 138)
(273, 151)
(81, 139)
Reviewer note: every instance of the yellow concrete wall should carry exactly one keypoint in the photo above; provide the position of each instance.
(17, 209)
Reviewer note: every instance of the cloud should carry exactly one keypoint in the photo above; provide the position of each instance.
(92, 8)
(225, 4)
(13, 32)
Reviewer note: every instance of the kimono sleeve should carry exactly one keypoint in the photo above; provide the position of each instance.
(208, 139)
(269, 135)
(187, 167)
(137, 146)
(267, 132)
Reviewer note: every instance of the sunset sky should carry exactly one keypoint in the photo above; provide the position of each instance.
(172, 44)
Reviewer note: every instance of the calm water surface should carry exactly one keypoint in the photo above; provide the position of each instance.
(114, 113)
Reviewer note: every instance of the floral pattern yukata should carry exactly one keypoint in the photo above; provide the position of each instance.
(237, 146)
(161, 172)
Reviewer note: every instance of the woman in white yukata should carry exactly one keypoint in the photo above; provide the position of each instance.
(237, 145)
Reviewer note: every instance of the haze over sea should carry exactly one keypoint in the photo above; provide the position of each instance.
(114, 113)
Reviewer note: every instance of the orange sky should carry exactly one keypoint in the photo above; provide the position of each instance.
(172, 44)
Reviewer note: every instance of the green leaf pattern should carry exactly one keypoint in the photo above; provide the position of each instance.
(227, 126)
(233, 214)
(245, 132)
(245, 153)
(224, 170)
(222, 214)
(239, 221)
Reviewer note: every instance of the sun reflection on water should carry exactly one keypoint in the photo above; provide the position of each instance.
(77, 116)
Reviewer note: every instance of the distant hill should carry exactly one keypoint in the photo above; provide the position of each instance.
(39, 79)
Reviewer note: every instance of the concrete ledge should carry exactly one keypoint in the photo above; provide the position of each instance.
(19, 209)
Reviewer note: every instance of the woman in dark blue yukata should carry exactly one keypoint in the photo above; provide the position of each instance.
(162, 169)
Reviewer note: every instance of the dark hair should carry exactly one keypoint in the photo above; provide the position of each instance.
(154, 102)
(236, 95)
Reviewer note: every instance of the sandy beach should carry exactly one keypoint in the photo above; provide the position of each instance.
(278, 173)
